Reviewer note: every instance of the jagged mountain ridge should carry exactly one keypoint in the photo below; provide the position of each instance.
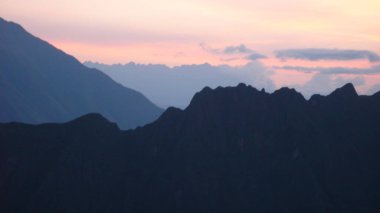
(40, 83)
(234, 149)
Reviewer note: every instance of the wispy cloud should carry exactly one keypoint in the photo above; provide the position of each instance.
(255, 56)
(327, 54)
(237, 49)
(241, 49)
(209, 49)
(333, 70)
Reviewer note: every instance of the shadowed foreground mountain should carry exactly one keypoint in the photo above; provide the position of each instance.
(234, 149)
(39, 83)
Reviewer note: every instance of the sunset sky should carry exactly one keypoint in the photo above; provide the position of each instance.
(297, 39)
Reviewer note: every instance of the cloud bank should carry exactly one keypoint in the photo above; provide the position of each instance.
(327, 54)
(334, 70)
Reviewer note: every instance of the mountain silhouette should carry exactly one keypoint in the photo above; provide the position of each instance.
(40, 84)
(233, 149)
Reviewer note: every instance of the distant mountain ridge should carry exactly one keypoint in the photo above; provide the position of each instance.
(175, 86)
(39, 84)
(233, 149)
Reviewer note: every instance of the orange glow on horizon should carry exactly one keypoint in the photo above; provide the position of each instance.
(169, 32)
(163, 53)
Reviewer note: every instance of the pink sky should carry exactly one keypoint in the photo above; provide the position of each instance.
(169, 32)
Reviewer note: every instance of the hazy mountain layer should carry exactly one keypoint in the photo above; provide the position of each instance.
(39, 83)
(176, 86)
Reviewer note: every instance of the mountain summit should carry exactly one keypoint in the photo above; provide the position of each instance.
(40, 83)
(347, 90)
(234, 149)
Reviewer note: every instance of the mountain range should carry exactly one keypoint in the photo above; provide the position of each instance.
(175, 86)
(39, 83)
(233, 149)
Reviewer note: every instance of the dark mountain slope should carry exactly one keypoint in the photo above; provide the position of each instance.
(234, 149)
(63, 167)
(40, 83)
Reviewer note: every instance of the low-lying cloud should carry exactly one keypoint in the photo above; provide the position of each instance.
(325, 84)
(374, 89)
(313, 54)
(333, 70)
